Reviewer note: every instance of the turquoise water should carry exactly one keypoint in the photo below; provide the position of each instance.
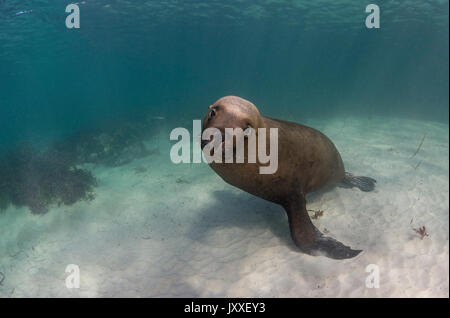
(85, 117)
(173, 58)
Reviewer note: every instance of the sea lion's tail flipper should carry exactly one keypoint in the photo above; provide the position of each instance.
(365, 184)
(308, 238)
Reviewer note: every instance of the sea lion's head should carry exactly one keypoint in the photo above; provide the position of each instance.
(232, 112)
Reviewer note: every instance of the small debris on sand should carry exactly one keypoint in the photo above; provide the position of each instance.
(317, 214)
(422, 231)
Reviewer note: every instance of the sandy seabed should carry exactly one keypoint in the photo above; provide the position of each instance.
(157, 229)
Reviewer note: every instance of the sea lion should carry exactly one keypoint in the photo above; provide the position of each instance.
(307, 161)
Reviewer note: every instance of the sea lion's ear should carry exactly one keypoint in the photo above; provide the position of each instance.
(249, 131)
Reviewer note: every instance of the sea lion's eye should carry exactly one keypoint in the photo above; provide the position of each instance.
(212, 113)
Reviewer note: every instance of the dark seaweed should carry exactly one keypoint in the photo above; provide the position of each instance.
(39, 179)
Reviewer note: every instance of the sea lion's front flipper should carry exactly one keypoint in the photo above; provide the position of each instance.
(308, 238)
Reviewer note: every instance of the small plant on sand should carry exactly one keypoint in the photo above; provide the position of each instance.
(422, 231)
(317, 214)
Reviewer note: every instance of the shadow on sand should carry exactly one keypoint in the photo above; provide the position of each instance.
(242, 210)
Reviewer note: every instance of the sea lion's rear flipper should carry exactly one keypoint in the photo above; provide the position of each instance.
(308, 238)
(365, 184)
(333, 248)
